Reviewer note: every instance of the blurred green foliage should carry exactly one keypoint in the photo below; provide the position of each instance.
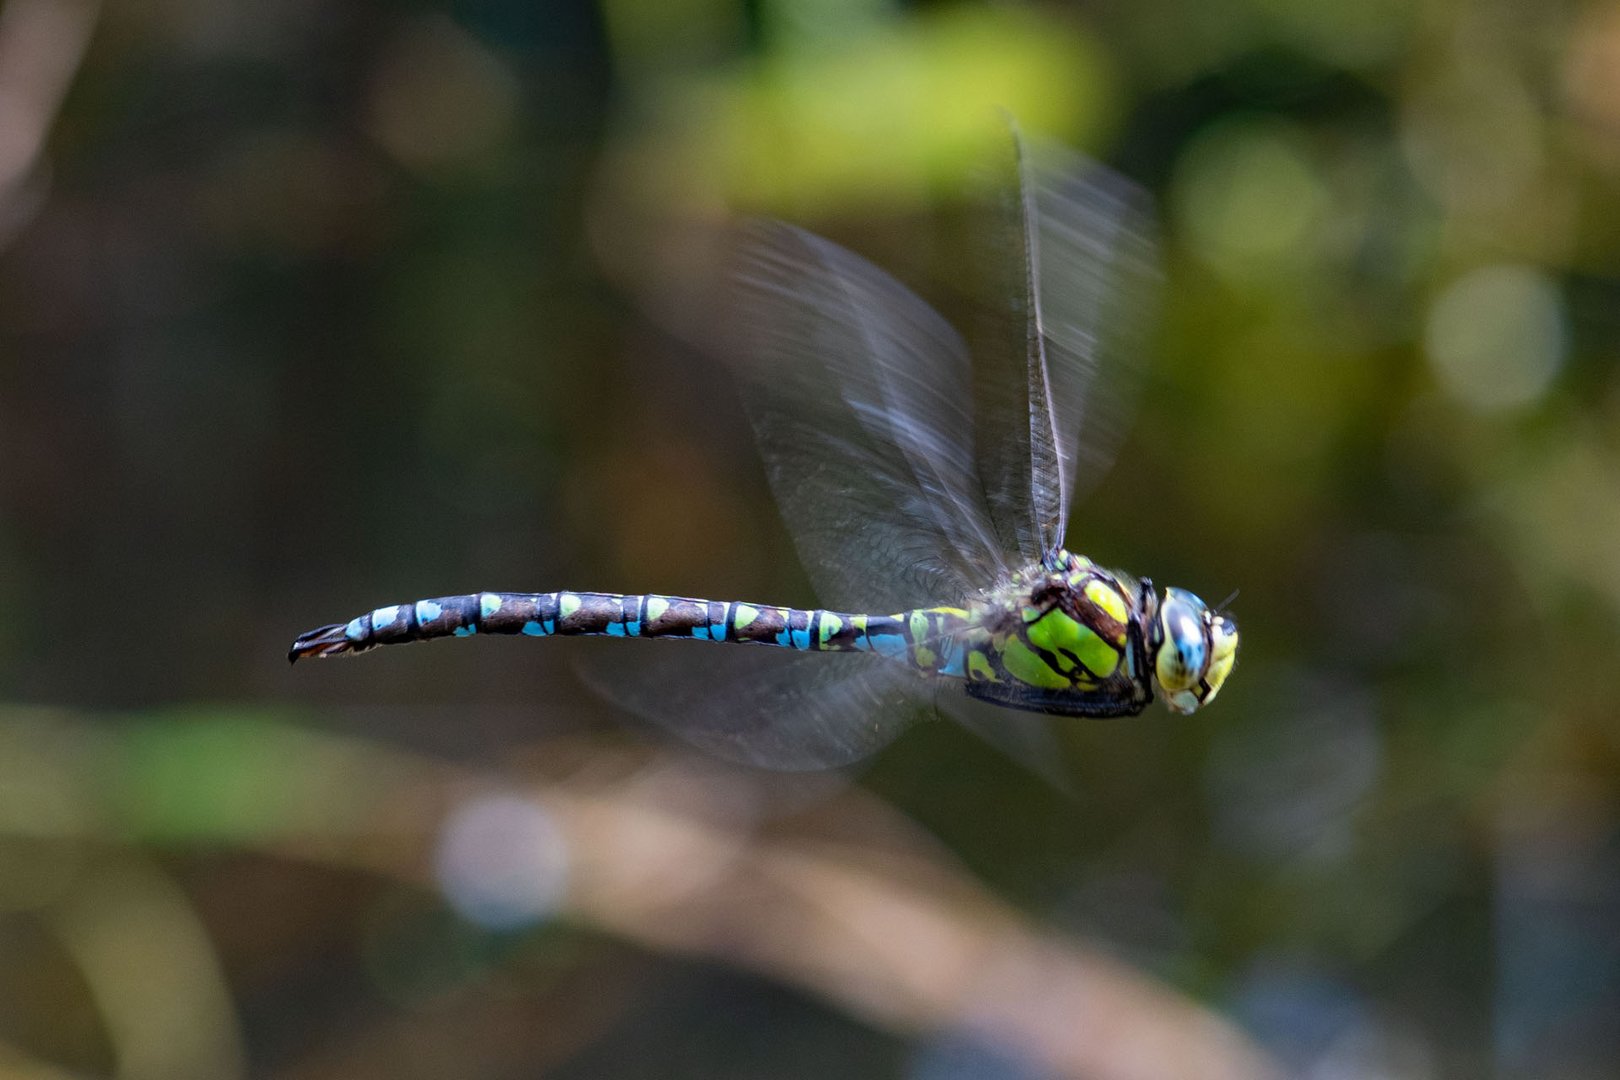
(304, 308)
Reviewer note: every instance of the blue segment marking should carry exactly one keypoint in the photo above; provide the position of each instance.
(615, 629)
(720, 625)
(890, 645)
(384, 616)
(488, 604)
(427, 611)
(715, 614)
(356, 630)
(534, 629)
(465, 631)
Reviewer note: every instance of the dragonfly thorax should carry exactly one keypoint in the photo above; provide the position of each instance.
(1068, 637)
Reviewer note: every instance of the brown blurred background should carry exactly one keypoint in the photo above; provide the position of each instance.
(307, 307)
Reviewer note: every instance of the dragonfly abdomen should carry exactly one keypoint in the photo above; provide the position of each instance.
(566, 613)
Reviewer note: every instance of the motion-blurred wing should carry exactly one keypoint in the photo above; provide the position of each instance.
(1068, 276)
(861, 398)
(773, 708)
(1026, 738)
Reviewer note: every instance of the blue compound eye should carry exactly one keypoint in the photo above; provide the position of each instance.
(1197, 649)
(1184, 649)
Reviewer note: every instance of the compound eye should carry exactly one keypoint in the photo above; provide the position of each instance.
(1184, 650)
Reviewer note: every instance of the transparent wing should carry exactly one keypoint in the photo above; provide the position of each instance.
(1065, 285)
(781, 709)
(773, 708)
(866, 409)
(1025, 737)
(860, 395)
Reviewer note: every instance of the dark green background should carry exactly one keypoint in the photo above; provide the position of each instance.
(312, 307)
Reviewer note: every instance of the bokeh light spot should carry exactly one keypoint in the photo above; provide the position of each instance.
(501, 862)
(439, 98)
(1249, 198)
(1496, 337)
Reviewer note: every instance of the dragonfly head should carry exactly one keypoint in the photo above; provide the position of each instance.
(1193, 649)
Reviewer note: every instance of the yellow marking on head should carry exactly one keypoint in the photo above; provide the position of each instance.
(1107, 597)
(979, 667)
(1224, 638)
(567, 604)
(656, 606)
(744, 615)
(1025, 666)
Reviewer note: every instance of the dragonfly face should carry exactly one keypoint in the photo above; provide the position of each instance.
(1193, 650)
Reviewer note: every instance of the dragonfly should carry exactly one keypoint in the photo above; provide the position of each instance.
(927, 486)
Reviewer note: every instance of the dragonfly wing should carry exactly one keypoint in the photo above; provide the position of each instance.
(773, 708)
(860, 395)
(1026, 738)
(1067, 281)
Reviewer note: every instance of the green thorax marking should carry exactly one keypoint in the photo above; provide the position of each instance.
(1062, 630)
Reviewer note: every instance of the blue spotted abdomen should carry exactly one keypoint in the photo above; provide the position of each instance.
(568, 613)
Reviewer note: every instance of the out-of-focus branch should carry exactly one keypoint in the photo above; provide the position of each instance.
(41, 45)
(17, 1065)
(889, 930)
(153, 973)
(678, 854)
